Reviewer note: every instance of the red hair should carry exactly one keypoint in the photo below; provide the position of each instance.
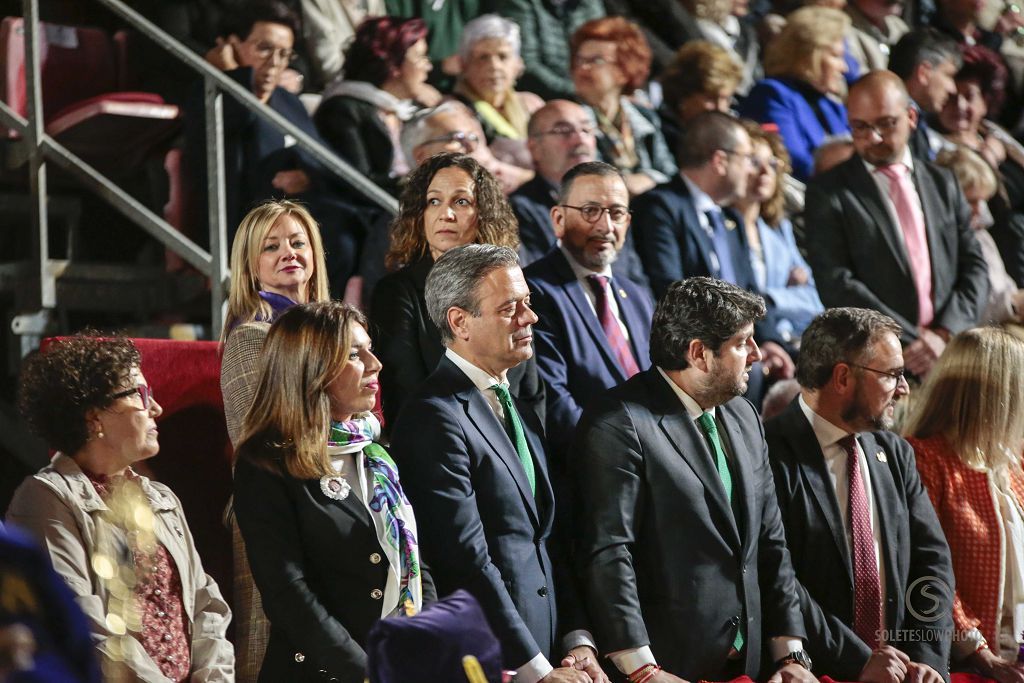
(633, 53)
(379, 46)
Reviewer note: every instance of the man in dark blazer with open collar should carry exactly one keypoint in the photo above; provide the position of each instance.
(856, 244)
(681, 549)
(475, 465)
(573, 286)
(850, 373)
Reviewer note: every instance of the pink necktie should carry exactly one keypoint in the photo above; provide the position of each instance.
(908, 211)
(610, 325)
(867, 593)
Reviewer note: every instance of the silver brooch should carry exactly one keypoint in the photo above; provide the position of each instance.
(335, 487)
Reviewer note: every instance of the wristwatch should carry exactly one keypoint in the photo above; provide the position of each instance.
(796, 657)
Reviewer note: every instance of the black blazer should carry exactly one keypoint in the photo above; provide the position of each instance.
(355, 131)
(318, 566)
(409, 344)
(664, 558)
(914, 547)
(480, 527)
(856, 250)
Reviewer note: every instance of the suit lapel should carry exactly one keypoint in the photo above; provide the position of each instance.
(486, 423)
(741, 450)
(867, 191)
(886, 499)
(931, 205)
(631, 316)
(573, 290)
(545, 494)
(812, 466)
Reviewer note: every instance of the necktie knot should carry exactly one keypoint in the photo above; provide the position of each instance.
(848, 444)
(707, 423)
(502, 392)
(598, 282)
(893, 172)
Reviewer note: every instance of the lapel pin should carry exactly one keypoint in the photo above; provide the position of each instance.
(881, 457)
(622, 293)
(730, 224)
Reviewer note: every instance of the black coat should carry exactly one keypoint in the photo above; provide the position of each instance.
(913, 543)
(355, 131)
(320, 571)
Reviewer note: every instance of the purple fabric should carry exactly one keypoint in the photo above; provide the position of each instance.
(429, 647)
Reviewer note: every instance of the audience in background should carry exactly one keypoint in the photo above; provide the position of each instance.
(361, 115)
(610, 60)
(327, 27)
(726, 23)
(967, 429)
(805, 69)
(490, 62)
(875, 27)
(702, 76)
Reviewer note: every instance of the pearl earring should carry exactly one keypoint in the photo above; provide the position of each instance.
(99, 434)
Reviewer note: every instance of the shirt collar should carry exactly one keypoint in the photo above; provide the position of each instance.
(702, 201)
(693, 408)
(825, 432)
(578, 269)
(480, 378)
(907, 160)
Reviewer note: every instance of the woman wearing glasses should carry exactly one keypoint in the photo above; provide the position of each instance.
(363, 110)
(119, 540)
(780, 271)
(967, 430)
(450, 200)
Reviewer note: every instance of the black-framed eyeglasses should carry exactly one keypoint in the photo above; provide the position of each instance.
(144, 392)
(884, 126)
(468, 141)
(565, 131)
(592, 212)
(892, 374)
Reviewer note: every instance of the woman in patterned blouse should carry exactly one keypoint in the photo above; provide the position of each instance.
(119, 540)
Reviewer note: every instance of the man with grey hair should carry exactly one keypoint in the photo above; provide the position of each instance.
(473, 462)
(867, 548)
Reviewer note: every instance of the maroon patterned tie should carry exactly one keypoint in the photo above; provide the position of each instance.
(867, 593)
(610, 325)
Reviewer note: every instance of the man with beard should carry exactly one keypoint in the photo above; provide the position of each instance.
(680, 543)
(594, 328)
(473, 464)
(891, 232)
(876, 582)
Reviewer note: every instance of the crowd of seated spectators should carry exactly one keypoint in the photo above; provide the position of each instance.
(828, 196)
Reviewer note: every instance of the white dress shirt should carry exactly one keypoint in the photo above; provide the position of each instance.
(582, 273)
(837, 463)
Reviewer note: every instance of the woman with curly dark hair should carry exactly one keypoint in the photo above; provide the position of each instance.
(119, 540)
(450, 200)
(610, 60)
(382, 84)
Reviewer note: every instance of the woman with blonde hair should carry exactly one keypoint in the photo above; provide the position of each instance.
(967, 429)
(450, 200)
(277, 261)
(805, 66)
(329, 532)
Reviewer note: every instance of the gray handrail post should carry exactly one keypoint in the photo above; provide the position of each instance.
(213, 107)
(47, 291)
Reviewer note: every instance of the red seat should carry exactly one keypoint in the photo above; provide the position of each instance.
(81, 106)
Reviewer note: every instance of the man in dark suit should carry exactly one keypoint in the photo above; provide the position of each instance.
(473, 461)
(594, 328)
(875, 571)
(891, 232)
(684, 227)
(681, 547)
(927, 61)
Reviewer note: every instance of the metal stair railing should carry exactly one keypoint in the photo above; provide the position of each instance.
(43, 149)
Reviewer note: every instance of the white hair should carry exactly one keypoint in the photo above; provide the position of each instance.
(417, 130)
(489, 26)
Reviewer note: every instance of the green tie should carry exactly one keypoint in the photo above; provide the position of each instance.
(707, 423)
(515, 426)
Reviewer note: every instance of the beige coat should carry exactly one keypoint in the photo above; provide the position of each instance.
(60, 507)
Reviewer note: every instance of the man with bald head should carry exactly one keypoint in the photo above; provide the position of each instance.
(560, 137)
(891, 231)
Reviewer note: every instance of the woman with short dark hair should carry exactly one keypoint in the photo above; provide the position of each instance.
(119, 540)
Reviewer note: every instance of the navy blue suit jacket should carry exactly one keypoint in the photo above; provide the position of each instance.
(573, 354)
(477, 519)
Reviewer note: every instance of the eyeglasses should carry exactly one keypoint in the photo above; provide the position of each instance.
(144, 392)
(566, 131)
(592, 212)
(863, 129)
(265, 51)
(468, 141)
(751, 159)
(591, 62)
(896, 375)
